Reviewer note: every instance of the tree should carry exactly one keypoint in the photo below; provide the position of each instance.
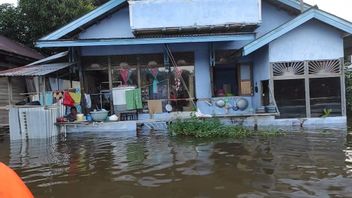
(44, 16)
(11, 23)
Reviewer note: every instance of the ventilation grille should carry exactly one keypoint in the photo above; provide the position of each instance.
(288, 69)
(324, 67)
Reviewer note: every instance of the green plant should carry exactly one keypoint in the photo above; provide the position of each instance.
(213, 128)
(326, 113)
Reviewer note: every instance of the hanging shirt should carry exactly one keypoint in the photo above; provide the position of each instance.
(155, 86)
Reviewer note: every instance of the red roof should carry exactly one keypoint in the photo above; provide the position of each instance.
(14, 47)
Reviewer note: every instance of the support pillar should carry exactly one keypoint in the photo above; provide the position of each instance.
(343, 88)
(307, 89)
(10, 91)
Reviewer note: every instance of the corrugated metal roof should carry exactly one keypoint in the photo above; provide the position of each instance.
(50, 58)
(14, 47)
(35, 70)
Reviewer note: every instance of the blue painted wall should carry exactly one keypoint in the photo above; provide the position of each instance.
(272, 17)
(311, 41)
(115, 26)
(260, 72)
(185, 13)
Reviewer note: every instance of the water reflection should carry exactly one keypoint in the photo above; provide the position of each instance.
(317, 164)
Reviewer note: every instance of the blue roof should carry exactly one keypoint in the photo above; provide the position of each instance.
(109, 6)
(312, 13)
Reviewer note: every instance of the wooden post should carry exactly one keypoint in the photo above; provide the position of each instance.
(10, 91)
(42, 80)
(343, 88)
(307, 89)
(39, 89)
(139, 72)
(77, 59)
(57, 81)
(110, 83)
(271, 84)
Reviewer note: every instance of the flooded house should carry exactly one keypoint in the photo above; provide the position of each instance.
(254, 62)
(12, 55)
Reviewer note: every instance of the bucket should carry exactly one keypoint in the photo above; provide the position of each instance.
(80, 117)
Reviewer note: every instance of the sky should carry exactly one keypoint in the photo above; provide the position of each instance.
(341, 8)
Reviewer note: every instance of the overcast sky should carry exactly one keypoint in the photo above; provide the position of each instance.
(341, 8)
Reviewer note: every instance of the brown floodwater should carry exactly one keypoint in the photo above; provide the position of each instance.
(94, 165)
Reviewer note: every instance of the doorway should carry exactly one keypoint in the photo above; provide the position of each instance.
(265, 93)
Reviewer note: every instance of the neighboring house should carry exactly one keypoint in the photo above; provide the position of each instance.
(214, 52)
(13, 54)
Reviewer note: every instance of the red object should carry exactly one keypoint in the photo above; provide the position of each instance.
(11, 185)
(68, 101)
(61, 119)
(124, 73)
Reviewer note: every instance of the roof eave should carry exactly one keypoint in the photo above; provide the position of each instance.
(144, 41)
(312, 13)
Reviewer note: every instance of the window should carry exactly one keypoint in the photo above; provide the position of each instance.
(325, 97)
(181, 79)
(245, 82)
(290, 98)
(174, 84)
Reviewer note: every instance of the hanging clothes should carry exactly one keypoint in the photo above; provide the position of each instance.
(155, 72)
(88, 101)
(76, 96)
(125, 75)
(130, 102)
(134, 99)
(48, 98)
(58, 95)
(155, 86)
(68, 101)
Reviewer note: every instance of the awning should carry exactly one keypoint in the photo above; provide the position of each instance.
(35, 70)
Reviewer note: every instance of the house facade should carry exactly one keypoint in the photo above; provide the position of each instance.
(224, 58)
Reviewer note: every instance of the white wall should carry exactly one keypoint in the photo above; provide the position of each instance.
(311, 41)
(186, 13)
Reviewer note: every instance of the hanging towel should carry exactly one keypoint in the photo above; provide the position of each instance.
(76, 96)
(155, 106)
(130, 101)
(138, 98)
(88, 101)
(134, 99)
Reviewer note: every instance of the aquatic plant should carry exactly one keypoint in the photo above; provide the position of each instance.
(213, 128)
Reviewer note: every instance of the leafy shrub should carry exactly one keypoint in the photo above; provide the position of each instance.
(213, 128)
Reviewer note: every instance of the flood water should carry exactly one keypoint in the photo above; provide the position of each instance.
(301, 164)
